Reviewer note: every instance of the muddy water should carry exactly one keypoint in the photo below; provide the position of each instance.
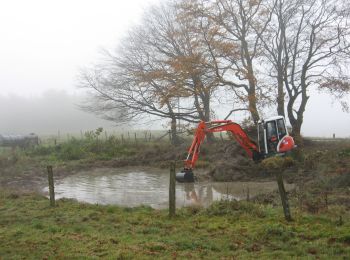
(149, 186)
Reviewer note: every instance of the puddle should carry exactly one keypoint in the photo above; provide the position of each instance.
(131, 187)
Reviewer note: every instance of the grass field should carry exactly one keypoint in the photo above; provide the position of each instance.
(30, 229)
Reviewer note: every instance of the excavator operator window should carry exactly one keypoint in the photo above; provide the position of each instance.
(281, 129)
(271, 135)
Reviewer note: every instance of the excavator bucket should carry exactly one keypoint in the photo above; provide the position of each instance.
(186, 175)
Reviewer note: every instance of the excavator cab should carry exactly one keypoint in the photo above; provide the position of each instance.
(273, 137)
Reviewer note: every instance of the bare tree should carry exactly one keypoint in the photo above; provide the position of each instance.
(134, 83)
(273, 41)
(158, 64)
(193, 37)
(314, 41)
(185, 50)
(238, 48)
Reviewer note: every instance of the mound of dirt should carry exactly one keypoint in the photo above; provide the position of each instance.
(229, 162)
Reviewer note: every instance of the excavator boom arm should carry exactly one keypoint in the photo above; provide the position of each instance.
(218, 126)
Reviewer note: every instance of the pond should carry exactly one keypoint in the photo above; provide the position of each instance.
(135, 186)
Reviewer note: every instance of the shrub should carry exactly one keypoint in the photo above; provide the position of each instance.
(277, 163)
(71, 150)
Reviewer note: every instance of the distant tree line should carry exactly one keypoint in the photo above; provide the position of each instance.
(259, 52)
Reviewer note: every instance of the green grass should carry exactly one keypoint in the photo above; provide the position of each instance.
(94, 149)
(30, 229)
(76, 149)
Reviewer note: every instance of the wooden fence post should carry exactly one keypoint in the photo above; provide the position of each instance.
(276, 165)
(172, 191)
(284, 197)
(51, 186)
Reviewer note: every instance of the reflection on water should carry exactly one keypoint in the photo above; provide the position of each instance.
(132, 187)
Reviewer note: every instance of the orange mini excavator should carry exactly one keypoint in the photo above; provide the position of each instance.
(273, 139)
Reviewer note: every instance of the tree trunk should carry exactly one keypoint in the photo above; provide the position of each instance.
(280, 95)
(252, 100)
(203, 112)
(280, 65)
(296, 132)
(206, 105)
(294, 121)
(253, 105)
(297, 119)
(174, 137)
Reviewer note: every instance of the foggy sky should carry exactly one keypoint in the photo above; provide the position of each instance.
(53, 112)
(45, 43)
